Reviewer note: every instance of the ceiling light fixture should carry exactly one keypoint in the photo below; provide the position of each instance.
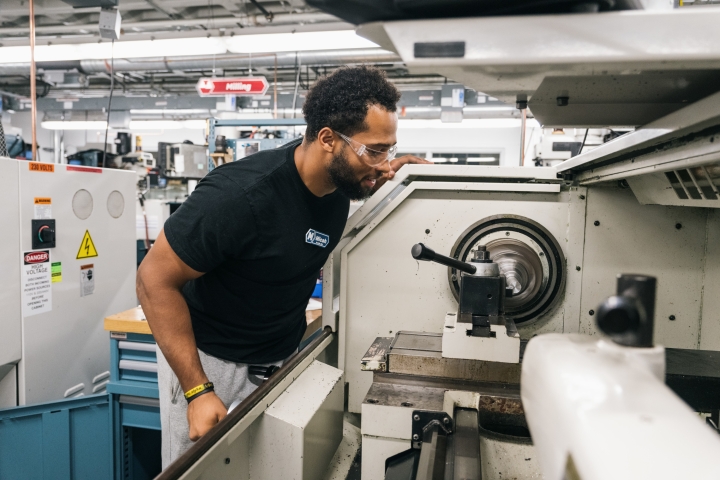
(166, 124)
(271, 42)
(404, 123)
(77, 125)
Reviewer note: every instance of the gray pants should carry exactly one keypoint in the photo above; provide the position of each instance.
(231, 381)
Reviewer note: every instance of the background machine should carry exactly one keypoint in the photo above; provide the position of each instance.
(68, 261)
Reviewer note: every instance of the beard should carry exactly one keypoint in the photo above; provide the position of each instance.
(344, 178)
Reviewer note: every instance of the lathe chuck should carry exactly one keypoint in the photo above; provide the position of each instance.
(527, 254)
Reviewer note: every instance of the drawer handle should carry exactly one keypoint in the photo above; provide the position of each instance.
(137, 346)
(139, 366)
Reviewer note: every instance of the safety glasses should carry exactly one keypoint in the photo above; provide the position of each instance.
(373, 158)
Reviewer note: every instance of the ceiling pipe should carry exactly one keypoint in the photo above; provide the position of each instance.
(278, 19)
(232, 61)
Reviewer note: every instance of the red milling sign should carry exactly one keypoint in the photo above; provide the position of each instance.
(207, 87)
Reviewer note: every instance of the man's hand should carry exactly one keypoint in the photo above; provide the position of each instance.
(203, 413)
(395, 166)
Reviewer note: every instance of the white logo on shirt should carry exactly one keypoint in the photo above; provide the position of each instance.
(316, 238)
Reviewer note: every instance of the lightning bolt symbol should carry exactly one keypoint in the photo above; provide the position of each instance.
(87, 247)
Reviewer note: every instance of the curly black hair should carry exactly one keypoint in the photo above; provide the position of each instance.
(341, 100)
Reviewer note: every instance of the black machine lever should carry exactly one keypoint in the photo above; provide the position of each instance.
(628, 317)
(421, 252)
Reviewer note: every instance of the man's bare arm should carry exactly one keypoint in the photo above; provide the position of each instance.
(160, 279)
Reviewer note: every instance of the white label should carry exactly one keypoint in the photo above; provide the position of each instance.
(36, 283)
(118, 335)
(43, 212)
(87, 280)
(179, 163)
(43, 208)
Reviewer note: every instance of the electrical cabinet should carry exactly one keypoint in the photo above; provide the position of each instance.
(68, 251)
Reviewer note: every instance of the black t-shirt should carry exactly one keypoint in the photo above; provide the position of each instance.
(261, 237)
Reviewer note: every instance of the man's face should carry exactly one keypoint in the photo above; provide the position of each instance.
(350, 173)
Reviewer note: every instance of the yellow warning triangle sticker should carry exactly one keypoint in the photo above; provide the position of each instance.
(87, 247)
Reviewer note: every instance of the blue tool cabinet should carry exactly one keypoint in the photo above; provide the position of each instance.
(133, 391)
(114, 435)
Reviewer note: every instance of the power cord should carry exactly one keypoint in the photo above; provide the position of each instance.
(582, 145)
(112, 86)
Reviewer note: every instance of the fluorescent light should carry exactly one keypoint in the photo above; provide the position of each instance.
(296, 42)
(78, 125)
(166, 124)
(170, 47)
(195, 124)
(405, 123)
(134, 125)
(154, 125)
(103, 51)
(494, 108)
(271, 42)
(169, 111)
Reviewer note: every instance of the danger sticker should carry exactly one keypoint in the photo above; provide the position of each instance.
(37, 257)
(41, 167)
(36, 283)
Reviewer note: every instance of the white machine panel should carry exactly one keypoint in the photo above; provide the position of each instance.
(10, 272)
(10, 316)
(634, 238)
(65, 351)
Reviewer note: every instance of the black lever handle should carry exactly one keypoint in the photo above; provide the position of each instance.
(628, 317)
(421, 252)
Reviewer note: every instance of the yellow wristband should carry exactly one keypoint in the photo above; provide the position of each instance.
(198, 389)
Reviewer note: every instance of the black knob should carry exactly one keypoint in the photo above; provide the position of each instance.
(421, 252)
(46, 234)
(618, 315)
(627, 318)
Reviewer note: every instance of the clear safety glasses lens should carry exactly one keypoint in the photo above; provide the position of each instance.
(374, 157)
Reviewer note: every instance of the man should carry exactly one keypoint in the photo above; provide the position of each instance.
(226, 284)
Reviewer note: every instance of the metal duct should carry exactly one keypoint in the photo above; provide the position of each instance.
(15, 69)
(286, 59)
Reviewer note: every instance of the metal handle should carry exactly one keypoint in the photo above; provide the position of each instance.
(421, 252)
(628, 317)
